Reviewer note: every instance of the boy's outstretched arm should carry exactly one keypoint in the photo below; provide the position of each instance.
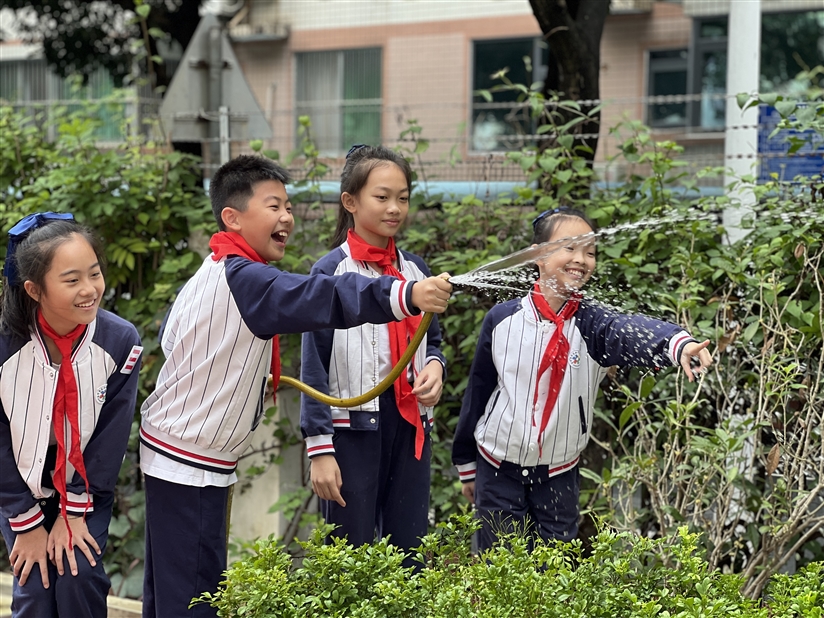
(273, 302)
(695, 350)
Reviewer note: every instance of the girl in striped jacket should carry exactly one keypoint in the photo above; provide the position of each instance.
(370, 464)
(68, 384)
(528, 408)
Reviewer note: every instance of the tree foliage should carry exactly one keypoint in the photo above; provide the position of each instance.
(80, 37)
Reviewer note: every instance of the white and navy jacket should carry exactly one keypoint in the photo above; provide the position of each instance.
(218, 346)
(106, 363)
(348, 363)
(496, 420)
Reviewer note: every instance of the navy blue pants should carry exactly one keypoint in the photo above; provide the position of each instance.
(385, 488)
(185, 547)
(513, 497)
(68, 596)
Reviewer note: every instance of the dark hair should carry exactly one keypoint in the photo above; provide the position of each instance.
(33, 259)
(360, 162)
(234, 183)
(545, 224)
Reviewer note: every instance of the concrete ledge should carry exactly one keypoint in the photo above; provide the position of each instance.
(118, 608)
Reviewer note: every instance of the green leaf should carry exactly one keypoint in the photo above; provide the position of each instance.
(785, 108)
(256, 144)
(143, 10)
(628, 412)
(646, 386)
(742, 98)
(769, 98)
(750, 331)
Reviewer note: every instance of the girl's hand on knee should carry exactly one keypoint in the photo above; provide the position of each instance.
(30, 548)
(326, 479)
(82, 539)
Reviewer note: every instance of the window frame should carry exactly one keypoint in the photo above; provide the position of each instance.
(339, 104)
(539, 73)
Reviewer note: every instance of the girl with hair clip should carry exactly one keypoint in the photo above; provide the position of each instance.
(68, 386)
(527, 411)
(370, 465)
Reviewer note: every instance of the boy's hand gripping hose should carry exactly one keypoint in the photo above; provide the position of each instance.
(384, 384)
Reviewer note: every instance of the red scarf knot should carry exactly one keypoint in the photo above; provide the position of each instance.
(399, 332)
(66, 409)
(554, 359)
(224, 244)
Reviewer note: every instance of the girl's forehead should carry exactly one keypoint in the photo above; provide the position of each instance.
(570, 227)
(73, 252)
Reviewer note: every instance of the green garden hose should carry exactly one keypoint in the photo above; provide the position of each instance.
(384, 384)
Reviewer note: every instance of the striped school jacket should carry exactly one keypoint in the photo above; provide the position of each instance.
(106, 363)
(218, 346)
(500, 416)
(347, 363)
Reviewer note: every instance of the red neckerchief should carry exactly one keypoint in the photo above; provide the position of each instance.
(224, 244)
(555, 356)
(399, 332)
(66, 408)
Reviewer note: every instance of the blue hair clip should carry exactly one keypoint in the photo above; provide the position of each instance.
(547, 213)
(18, 233)
(355, 148)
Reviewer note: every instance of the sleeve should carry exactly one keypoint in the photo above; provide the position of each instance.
(103, 455)
(483, 379)
(273, 302)
(614, 338)
(16, 501)
(316, 417)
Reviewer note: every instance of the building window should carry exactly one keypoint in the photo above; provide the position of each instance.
(667, 77)
(341, 92)
(709, 78)
(789, 43)
(29, 85)
(496, 125)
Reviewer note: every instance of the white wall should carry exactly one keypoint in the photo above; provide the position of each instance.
(320, 14)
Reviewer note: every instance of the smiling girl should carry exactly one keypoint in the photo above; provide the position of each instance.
(370, 464)
(527, 411)
(68, 385)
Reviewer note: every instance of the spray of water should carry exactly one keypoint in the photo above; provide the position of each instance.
(488, 275)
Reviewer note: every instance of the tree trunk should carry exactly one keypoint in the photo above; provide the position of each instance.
(573, 29)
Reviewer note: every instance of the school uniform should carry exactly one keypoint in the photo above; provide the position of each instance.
(519, 469)
(106, 363)
(385, 486)
(209, 398)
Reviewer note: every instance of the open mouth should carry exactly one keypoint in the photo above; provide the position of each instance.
(87, 305)
(280, 237)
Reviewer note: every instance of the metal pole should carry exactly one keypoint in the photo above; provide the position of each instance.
(741, 134)
(215, 90)
(224, 134)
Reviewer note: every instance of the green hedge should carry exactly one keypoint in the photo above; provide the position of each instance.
(624, 576)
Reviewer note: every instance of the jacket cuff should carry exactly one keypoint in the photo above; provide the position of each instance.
(466, 472)
(400, 298)
(76, 503)
(319, 445)
(29, 520)
(676, 346)
(441, 361)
